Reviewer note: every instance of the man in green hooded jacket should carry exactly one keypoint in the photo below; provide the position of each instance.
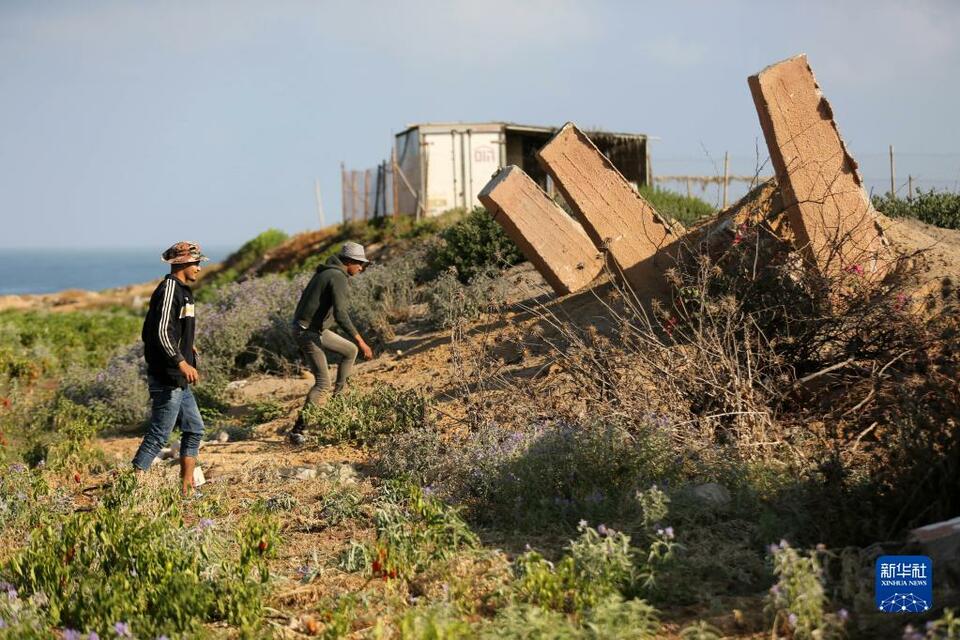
(323, 305)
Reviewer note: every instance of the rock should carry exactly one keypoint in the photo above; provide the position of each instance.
(325, 468)
(298, 473)
(223, 436)
(346, 472)
(940, 541)
(712, 493)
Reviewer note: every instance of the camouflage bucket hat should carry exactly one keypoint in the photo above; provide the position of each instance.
(183, 253)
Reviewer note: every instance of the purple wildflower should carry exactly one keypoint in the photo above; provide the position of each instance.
(204, 524)
(668, 532)
(17, 468)
(582, 524)
(775, 590)
(773, 548)
(792, 620)
(162, 638)
(93, 636)
(784, 544)
(602, 530)
(122, 629)
(843, 614)
(71, 634)
(11, 594)
(909, 633)
(3, 623)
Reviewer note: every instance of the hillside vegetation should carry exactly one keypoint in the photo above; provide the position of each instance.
(725, 463)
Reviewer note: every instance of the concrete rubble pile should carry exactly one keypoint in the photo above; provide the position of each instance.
(828, 216)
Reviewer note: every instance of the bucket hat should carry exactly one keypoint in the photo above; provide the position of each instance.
(184, 252)
(353, 251)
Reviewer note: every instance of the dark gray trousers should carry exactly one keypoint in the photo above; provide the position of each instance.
(311, 346)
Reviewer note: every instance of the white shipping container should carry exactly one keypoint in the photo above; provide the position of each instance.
(451, 162)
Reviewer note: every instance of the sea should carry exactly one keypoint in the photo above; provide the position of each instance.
(24, 271)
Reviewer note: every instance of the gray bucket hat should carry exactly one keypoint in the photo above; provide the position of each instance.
(353, 251)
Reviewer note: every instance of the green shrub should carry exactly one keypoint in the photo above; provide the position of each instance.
(238, 262)
(21, 492)
(266, 411)
(132, 562)
(311, 262)
(342, 502)
(596, 567)
(70, 430)
(449, 301)
(612, 619)
(36, 343)
(797, 602)
(554, 474)
(363, 417)
(384, 293)
(939, 208)
(118, 391)
(472, 245)
(437, 622)
(684, 209)
(414, 530)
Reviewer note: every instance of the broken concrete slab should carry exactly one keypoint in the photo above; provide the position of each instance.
(549, 238)
(830, 214)
(940, 541)
(612, 212)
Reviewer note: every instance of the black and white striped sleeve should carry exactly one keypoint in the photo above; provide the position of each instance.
(169, 326)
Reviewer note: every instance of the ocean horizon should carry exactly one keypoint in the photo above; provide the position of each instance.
(35, 271)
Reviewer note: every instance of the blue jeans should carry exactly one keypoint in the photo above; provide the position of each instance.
(166, 405)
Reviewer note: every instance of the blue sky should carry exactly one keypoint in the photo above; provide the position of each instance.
(136, 124)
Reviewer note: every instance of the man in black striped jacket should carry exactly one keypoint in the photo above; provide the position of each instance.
(168, 334)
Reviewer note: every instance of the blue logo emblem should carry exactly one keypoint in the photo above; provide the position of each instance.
(903, 584)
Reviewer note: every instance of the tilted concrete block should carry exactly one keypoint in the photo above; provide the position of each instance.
(553, 241)
(612, 212)
(830, 213)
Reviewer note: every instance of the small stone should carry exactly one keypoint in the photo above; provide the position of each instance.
(223, 436)
(712, 493)
(345, 472)
(298, 473)
(325, 468)
(166, 453)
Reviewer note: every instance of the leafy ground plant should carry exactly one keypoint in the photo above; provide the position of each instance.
(131, 564)
(362, 417)
(797, 602)
(413, 531)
